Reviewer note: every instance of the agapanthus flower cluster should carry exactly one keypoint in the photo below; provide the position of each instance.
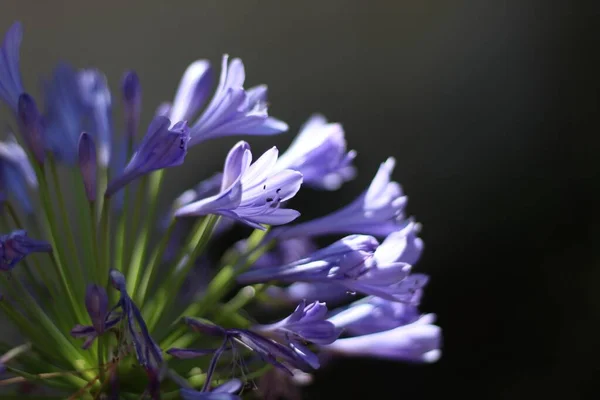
(114, 299)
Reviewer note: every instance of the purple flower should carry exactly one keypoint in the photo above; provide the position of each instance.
(226, 391)
(16, 173)
(251, 194)
(32, 126)
(356, 262)
(208, 187)
(306, 323)
(95, 95)
(11, 86)
(96, 303)
(192, 92)
(148, 354)
(87, 164)
(132, 101)
(65, 113)
(378, 211)
(281, 356)
(387, 330)
(233, 110)
(319, 153)
(17, 245)
(162, 147)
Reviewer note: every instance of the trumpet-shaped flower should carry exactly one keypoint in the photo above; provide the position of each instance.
(319, 153)
(250, 193)
(232, 110)
(378, 211)
(162, 147)
(356, 262)
(386, 329)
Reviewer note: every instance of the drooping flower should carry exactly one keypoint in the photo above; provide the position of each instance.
(386, 329)
(11, 86)
(148, 353)
(356, 262)
(32, 127)
(16, 173)
(64, 113)
(319, 153)
(234, 110)
(250, 193)
(96, 303)
(279, 355)
(379, 211)
(162, 147)
(95, 95)
(17, 245)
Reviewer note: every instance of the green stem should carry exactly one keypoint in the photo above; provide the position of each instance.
(197, 241)
(105, 240)
(77, 267)
(87, 228)
(151, 271)
(139, 251)
(57, 256)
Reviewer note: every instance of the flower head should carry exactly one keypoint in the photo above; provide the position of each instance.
(250, 193)
(233, 110)
(306, 323)
(17, 245)
(319, 153)
(378, 211)
(356, 262)
(11, 86)
(162, 147)
(387, 330)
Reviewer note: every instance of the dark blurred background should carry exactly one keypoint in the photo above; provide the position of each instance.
(491, 110)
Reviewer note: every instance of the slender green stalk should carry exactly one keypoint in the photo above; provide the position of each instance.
(152, 268)
(87, 227)
(139, 251)
(197, 241)
(105, 239)
(58, 257)
(77, 266)
(95, 245)
(120, 238)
